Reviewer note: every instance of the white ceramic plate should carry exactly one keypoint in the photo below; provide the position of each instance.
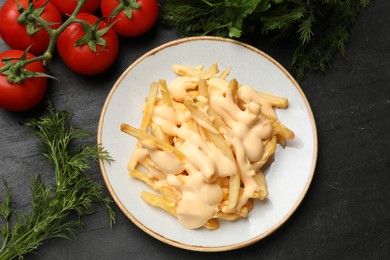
(288, 177)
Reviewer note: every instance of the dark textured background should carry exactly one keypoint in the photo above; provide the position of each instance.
(346, 213)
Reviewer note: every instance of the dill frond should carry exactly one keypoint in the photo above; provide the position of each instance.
(57, 210)
(194, 17)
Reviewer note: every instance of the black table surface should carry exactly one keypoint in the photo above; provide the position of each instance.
(346, 212)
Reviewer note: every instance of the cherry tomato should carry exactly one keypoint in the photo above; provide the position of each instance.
(67, 7)
(19, 97)
(142, 18)
(82, 59)
(15, 35)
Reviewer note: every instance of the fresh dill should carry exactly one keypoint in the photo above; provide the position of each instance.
(318, 29)
(56, 209)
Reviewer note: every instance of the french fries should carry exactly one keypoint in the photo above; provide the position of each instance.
(203, 144)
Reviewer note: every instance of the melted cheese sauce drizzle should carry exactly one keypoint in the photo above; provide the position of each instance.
(245, 131)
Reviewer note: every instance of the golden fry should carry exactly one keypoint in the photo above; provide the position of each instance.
(149, 106)
(183, 70)
(152, 141)
(225, 73)
(158, 132)
(201, 118)
(210, 72)
(141, 176)
(262, 190)
(233, 88)
(168, 193)
(165, 93)
(212, 224)
(275, 101)
(203, 91)
(234, 190)
(146, 118)
(158, 201)
(269, 150)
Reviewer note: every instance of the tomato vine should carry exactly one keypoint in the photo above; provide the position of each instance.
(16, 79)
(10, 70)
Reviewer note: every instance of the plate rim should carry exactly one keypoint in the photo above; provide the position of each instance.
(175, 243)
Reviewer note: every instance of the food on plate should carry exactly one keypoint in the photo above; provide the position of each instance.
(203, 144)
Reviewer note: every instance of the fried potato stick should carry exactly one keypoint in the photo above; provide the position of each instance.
(149, 140)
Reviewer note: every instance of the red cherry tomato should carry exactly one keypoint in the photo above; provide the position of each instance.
(19, 97)
(82, 59)
(67, 7)
(15, 34)
(142, 18)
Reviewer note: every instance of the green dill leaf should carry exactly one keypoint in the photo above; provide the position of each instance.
(57, 210)
(194, 17)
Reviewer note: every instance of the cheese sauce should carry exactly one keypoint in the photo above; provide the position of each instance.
(200, 195)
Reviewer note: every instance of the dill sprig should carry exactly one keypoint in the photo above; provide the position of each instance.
(56, 209)
(318, 30)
